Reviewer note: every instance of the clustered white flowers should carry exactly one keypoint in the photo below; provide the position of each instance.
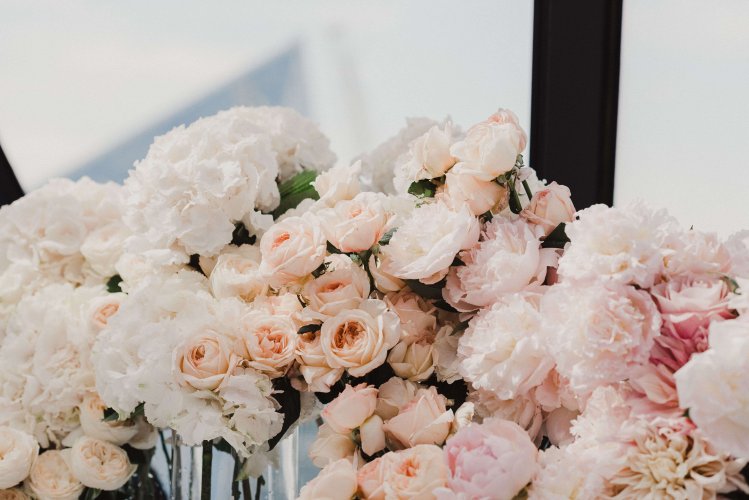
(469, 333)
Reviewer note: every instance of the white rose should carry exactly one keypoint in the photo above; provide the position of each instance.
(102, 308)
(330, 446)
(427, 242)
(52, 478)
(268, 342)
(354, 225)
(18, 451)
(358, 340)
(490, 147)
(550, 206)
(292, 249)
(104, 246)
(428, 157)
(237, 274)
(99, 464)
(343, 286)
(413, 360)
(338, 183)
(93, 424)
(337, 481)
(383, 281)
(480, 195)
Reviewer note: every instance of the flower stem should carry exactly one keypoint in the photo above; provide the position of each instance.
(205, 490)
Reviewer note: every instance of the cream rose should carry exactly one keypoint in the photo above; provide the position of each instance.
(267, 342)
(491, 147)
(18, 451)
(383, 281)
(350, 408)
(424, 420)
(428, 157)
(292, 249)
(101, 309)
(418, 317)
(99, 464)
(203, 362)
(338, 183)
(337, 481)
(413, 359)
(480, 195)
(550, 207)
(330, 446)
(427, 242)
(355, 225)
(91, 413)
(393, 395)
(413, 473)
(237, 274)
(372, 435)
(358, 340)
(343, 286)
(313, 367)
(52, 478)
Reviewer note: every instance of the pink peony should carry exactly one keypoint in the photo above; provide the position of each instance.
(495, 459)
(687, 308)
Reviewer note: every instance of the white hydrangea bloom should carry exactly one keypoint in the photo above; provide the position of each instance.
(65, 231)
(624, 245)
(45, 360)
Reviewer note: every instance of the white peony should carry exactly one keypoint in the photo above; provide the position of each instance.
(18, 451)
(507, 260)
(501, 351)
(598, 334)
(713, 386)
(624, 245)
(427, 242)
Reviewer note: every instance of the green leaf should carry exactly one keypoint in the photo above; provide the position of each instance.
(321, 269)
(241, 235)
(387, 237)
(515, 206)
(423, 189)
(90, 494)
(433, 292)
(557, 238)
(732, 284)
(110, 415)
(331, 248)
(296, 190)
(308, 329)
(113, 284)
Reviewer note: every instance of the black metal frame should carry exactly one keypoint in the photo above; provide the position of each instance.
(576, 46)
(576, 49)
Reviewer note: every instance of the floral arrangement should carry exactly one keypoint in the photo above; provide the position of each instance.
(455, 325)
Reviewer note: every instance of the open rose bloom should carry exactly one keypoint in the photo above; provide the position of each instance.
(459, 329)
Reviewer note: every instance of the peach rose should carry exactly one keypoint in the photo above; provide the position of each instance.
(354, 225)
(51, 477)
(424, 420)
(315, 371)
(204, 361)
(413, 473)
(350, 408)
(337, 481)
(394, 395)
(358, 340)
(18, 451)
(91, 413)
(330, 446)
(418, 317)
(383, 281)
(491, 147)
(550, 206)
(99, 464)
(428, 156)
(103, 308)
(372, 435)
(413, 359)
(480, 195)
(237, 274)
(292, 249)
(338, 183)
(267, 342)
(343, 286)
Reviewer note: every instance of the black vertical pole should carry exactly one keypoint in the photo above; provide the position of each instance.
(576, 48)
(10, 189)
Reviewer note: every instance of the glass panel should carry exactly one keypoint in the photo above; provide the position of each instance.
(85, 88)
(683, 110)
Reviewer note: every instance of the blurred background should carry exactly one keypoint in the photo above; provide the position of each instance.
(85, 86)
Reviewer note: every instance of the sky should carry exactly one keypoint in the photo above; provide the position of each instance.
(79, 77)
